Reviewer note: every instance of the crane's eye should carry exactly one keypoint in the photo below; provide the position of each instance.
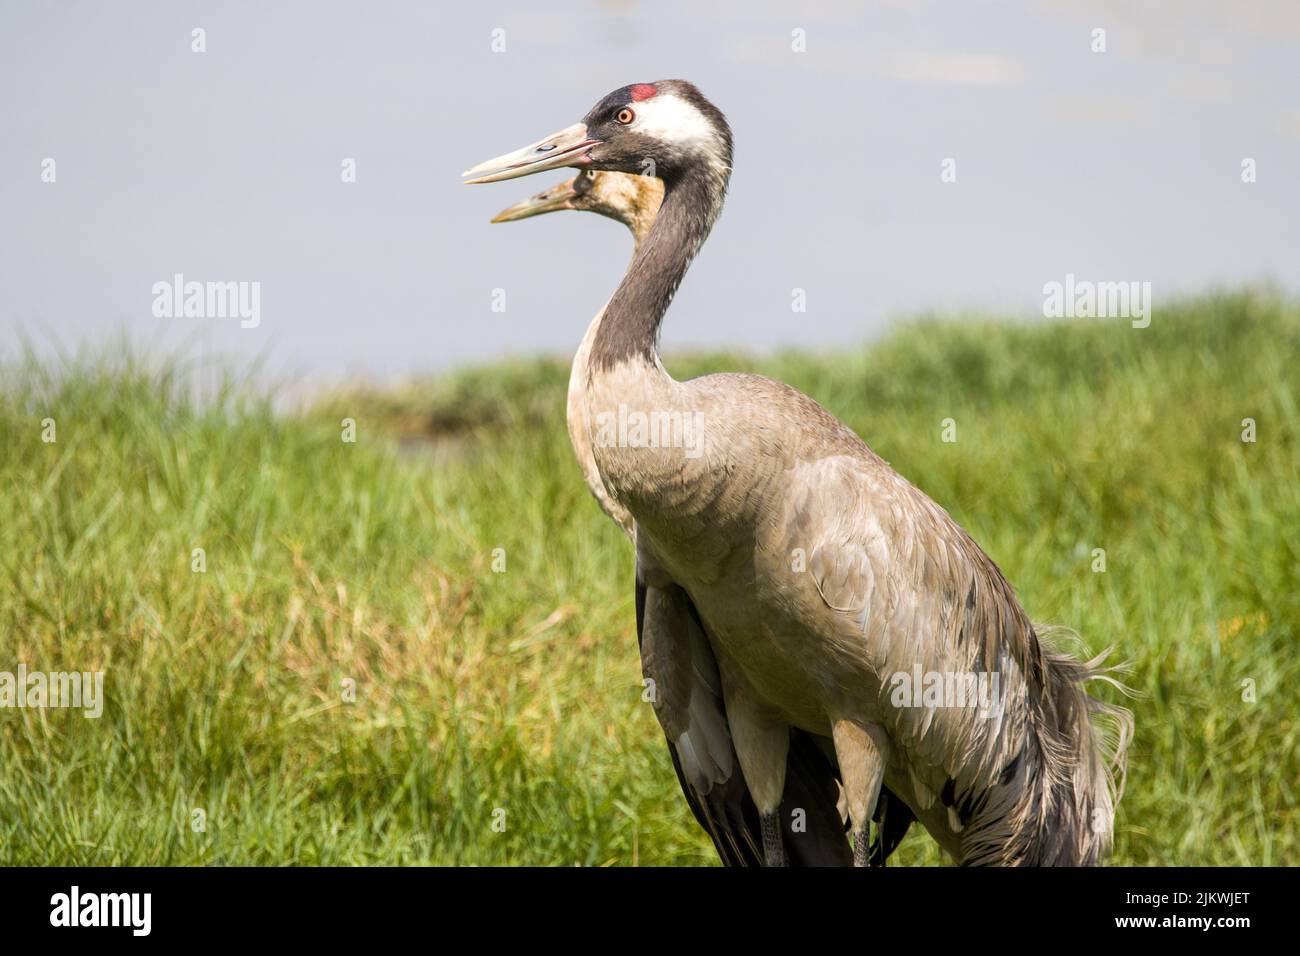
(625, 116)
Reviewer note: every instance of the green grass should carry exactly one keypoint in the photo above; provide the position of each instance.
(476, 690)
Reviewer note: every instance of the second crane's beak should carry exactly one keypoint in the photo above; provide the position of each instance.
(568, 147)
(553, 199)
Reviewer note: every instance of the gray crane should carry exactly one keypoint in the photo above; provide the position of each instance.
(836, 600)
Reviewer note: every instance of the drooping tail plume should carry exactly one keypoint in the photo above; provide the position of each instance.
(1058, 806)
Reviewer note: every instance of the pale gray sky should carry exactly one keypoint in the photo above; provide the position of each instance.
(225, 165)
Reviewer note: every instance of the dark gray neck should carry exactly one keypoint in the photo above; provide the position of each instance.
(630, 327)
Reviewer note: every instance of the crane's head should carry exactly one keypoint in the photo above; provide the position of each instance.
(658, 129)
(631, 200)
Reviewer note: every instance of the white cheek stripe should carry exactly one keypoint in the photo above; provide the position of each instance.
(670, 118)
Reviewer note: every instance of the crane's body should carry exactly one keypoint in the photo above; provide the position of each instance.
(717, 536)
(809, 570)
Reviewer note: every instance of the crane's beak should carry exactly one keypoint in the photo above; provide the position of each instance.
(552, 200)
(568, 147)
